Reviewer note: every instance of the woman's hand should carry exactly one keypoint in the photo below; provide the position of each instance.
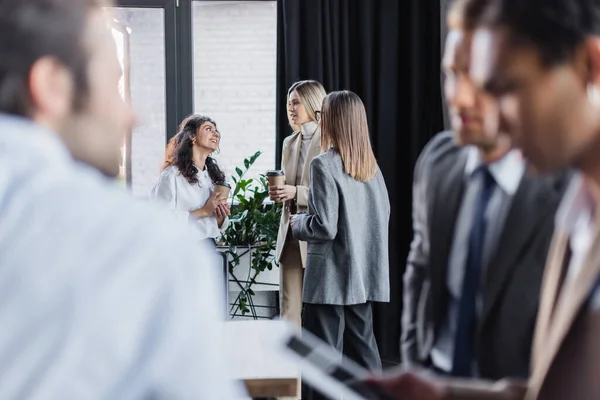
(209, 208)
(410, 385)
(282, 193)
(221, 212)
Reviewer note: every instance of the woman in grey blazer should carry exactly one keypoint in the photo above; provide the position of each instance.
(346, 228)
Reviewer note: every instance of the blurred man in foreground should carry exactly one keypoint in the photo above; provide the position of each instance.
(482, 227)
(541, 60)
(101, 299)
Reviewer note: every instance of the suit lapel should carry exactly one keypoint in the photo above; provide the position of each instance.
(553, 272)
(449, 179)
(293, 152)
(572, 297)
(527, 210)
(313, 151)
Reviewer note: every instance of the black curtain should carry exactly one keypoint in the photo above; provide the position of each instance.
(388, 52)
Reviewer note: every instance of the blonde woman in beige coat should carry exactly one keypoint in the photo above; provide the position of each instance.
(304, 105)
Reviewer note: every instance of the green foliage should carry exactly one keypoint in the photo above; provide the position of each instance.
(253, 228)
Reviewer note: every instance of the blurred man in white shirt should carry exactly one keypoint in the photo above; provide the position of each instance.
(100, 297)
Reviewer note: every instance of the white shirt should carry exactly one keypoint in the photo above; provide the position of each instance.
(574, 217)
(101, 297)
(180, 197)
(508, 173)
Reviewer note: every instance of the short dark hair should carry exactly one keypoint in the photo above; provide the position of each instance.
(33, 29)
(554, 27)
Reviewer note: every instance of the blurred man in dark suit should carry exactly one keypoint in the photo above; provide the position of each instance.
(482, 228)
(541, 60)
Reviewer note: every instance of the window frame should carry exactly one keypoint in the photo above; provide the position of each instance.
(178, 59)
(179, 63)
(179, 56)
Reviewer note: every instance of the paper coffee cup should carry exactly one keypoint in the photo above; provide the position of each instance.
(276, 177)
(223, 188)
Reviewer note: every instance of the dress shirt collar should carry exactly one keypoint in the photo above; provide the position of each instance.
(19, 134)
(578, 200)
(507, 171)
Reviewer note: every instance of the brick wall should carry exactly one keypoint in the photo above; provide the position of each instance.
(235, 45)
(147, 87)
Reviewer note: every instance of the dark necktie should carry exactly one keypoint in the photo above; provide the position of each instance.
(464, 346)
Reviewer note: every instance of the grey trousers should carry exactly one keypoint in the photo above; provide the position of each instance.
(349, 329)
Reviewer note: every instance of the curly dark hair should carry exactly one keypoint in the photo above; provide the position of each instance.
(179, 151)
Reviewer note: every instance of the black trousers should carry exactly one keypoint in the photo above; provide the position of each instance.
(349, 329)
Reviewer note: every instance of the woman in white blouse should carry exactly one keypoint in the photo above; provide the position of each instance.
(186, 183)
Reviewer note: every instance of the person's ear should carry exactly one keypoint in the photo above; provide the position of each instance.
(52, 89)
(588, 60)
(592, 54)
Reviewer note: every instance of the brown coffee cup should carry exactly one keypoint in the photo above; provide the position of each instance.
(276, 177)
(223, 188)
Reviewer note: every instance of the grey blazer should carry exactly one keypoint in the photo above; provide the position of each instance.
(346, 229)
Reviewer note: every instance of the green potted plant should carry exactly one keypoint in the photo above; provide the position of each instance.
(251, 237)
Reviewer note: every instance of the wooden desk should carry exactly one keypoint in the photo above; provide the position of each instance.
(250, 352)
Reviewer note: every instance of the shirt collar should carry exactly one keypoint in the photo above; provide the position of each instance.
(507, 171)
(19, 134)
(576, 201)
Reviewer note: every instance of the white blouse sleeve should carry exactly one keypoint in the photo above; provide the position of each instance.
(225, 225)
(165, 191)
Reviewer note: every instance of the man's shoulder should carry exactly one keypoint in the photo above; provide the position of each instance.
(548, 188)
(142, 218)
(561, 180)
(440, 146)
(87, 210)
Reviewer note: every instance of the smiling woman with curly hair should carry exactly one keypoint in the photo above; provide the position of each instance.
(189, 174)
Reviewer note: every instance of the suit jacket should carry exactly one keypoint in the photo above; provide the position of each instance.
(347, 234)
(566, 350)
(289, 164)
(513, 276)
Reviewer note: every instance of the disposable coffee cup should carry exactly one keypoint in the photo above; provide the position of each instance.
(223, 188)
(276, 177)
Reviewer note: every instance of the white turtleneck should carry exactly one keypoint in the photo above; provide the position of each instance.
(308, 131)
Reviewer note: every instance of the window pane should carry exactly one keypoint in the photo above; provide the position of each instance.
(146, 56)
(120, 35)
(235, 45)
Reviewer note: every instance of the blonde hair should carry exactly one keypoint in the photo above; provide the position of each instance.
(311, 94)
(344, 128)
